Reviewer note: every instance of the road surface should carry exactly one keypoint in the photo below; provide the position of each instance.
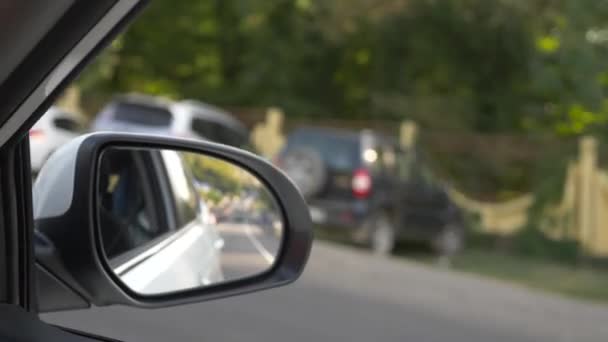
(248, 249)
(349, 295)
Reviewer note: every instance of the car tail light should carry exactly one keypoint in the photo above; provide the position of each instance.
(36, 133)
(361, 183)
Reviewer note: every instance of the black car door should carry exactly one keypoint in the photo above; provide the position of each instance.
(437, 200)
(385, 173)
(418, 197)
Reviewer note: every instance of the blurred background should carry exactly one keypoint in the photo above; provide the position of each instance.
(453, 153)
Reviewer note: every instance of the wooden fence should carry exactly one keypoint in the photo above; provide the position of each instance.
(581, 214)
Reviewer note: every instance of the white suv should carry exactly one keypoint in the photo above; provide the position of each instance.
(55, 128)
(188, 118)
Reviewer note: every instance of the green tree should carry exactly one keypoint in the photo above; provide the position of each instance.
(485, 66)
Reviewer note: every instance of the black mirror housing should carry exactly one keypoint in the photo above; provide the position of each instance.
(68, 248)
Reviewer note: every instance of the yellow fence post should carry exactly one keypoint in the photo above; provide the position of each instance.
(565, 213)
(408, 134)
(70, 100)
(588, 191)
(267, 136)
(601, 227)
(581, 214)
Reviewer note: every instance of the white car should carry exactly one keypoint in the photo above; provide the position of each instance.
(140, 113)
(54, 129)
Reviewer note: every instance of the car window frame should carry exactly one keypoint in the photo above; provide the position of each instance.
(155, 215)
(164, 190)
(179, 224)
(125, 262)
(145, 162)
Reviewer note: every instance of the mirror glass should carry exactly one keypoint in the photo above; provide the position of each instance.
(172, 220)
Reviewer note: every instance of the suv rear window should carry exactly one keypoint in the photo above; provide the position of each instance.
(142, 114)
(338, 152)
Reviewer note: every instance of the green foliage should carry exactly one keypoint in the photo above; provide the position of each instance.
(218, 174)
(577, 281)
(548, 181)
(567, 71)
(212, 196)
(531, 242)
(491, 66)
(518, 67)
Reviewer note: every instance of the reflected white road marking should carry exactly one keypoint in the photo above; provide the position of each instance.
(258, 245)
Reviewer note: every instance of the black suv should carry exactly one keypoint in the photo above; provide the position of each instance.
(364, 184)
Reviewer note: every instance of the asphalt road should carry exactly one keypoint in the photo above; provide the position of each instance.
(248, 249)
(348, 295)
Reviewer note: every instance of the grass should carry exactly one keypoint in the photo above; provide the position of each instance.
(577, 281)
(583, 282)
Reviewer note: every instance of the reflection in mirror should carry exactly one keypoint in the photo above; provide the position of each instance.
(172, 221)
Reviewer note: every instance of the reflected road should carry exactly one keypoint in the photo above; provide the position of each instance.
(248, 249)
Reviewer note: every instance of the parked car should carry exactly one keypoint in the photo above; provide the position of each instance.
(55, 128)
(188, 118)
(364, 184)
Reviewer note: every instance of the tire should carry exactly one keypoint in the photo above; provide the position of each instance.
(450, 241)
(382, 237)
(306, 169)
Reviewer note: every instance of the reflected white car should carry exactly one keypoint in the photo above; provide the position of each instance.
(156, 240)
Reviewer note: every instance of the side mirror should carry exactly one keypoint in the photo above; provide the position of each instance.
(151, 221)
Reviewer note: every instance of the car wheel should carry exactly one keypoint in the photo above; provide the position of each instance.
(382, 238)
(450, 241)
